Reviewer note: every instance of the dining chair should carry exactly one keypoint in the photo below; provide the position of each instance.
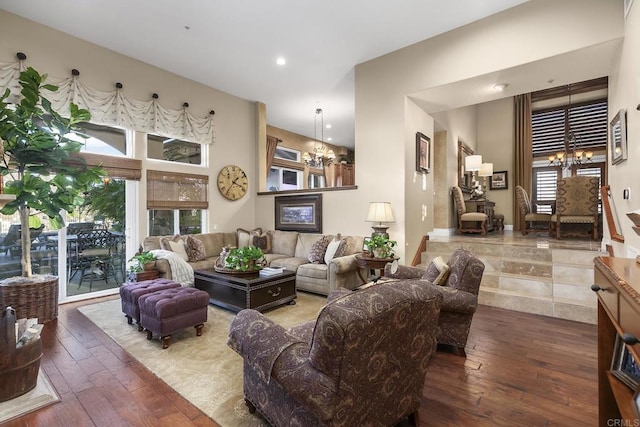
(529, 217)
(468, 222)
(577, 205)
(93, 256)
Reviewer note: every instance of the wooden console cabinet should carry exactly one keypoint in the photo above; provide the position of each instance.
(617, 284)
(483, 206)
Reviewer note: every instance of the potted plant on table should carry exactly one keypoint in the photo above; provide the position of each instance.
(140, 263)
(46, 176)
(381, 247)
(247, 259)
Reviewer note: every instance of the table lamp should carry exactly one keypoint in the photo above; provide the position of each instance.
(380, 212)
(486, 169)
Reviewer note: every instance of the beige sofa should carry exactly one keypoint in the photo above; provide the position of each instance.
(289, 249)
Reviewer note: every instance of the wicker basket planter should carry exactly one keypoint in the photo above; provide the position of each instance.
(34, 297)
(18, 366)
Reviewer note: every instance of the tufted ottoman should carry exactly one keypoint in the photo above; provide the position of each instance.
(168, 311)
(130, 294)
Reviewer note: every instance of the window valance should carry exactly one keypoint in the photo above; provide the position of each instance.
(114, 108)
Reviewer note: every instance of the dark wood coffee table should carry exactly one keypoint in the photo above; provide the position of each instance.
(237, 292)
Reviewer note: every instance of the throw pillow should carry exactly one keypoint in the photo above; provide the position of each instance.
(245, 236)
(318, 249)
(262, 241)
(437, 272)
(179, 249)
(195, 249)
(332, 249)
(164, 241)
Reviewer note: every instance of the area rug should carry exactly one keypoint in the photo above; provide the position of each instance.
(202, 369)
(43, 394)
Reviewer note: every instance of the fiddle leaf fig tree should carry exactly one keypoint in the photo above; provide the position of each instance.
(39, 161)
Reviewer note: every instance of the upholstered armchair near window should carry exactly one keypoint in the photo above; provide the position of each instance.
(459, 289)
(362, 362)
(529, 217)
(468, 221)
(577, 203)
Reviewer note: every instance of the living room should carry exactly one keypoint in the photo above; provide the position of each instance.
(387, 109)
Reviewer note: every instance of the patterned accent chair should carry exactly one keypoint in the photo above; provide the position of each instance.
(362, 362)
(530, 218)
(475, 218)
(577, 203)
(459, 292)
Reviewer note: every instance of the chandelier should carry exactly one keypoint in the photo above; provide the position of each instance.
(318, 158)
(572, 155)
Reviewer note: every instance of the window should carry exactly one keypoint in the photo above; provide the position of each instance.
(545, 184)
(280, 179)
(287, 154)
(587, 121)
(164, 222)
(173, 150)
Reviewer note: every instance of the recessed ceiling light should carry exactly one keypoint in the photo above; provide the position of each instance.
(329, 139)
(328, 126)
(281, 61)
(500, 86)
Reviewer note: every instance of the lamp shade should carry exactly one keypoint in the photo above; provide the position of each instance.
(380, 212)
(473, 163)
(486, 169)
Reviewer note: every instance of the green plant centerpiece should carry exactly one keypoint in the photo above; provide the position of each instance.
(141, 261)
(381, 247)
(40, 161)
(247, 259)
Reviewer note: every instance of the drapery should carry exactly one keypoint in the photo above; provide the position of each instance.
(272, 144)
(114, 108)
(523, 151)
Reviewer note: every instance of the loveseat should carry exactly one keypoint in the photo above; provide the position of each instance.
(288, 249)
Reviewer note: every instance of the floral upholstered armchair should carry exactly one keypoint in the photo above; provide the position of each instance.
(362, 362)
(459, 290)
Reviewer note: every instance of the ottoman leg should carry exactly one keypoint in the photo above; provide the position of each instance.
(129, 319)
(149, 334)
(140, 328)
(199, 329)
(165, 341)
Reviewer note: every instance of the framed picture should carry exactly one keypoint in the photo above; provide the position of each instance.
(423, 152)
(299, 213)
(498, 181)
(618, 137)
(636, 403)
(624, 366)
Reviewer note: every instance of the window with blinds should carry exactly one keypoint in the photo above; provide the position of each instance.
(172, 190)
(545, 185)
(587, 121)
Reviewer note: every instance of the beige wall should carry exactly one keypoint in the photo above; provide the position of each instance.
(419, 190)
(55, 53)
(624, 92)
(460, 124)
(496, 144)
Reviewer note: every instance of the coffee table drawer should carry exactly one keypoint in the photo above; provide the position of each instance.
(272, 295)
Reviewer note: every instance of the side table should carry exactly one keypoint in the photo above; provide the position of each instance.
(365, 261)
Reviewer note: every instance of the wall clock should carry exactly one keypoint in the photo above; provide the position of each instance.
(232, 182)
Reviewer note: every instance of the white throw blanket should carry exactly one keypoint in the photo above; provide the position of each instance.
(181, 271)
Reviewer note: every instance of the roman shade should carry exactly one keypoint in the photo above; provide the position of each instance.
(173, 190)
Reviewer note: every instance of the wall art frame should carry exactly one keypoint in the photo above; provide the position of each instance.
(499, 181)
(618, 137)
(624, 366)
(423, 153)
(299, 213)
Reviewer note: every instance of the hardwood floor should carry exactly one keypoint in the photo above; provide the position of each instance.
(521, 369)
